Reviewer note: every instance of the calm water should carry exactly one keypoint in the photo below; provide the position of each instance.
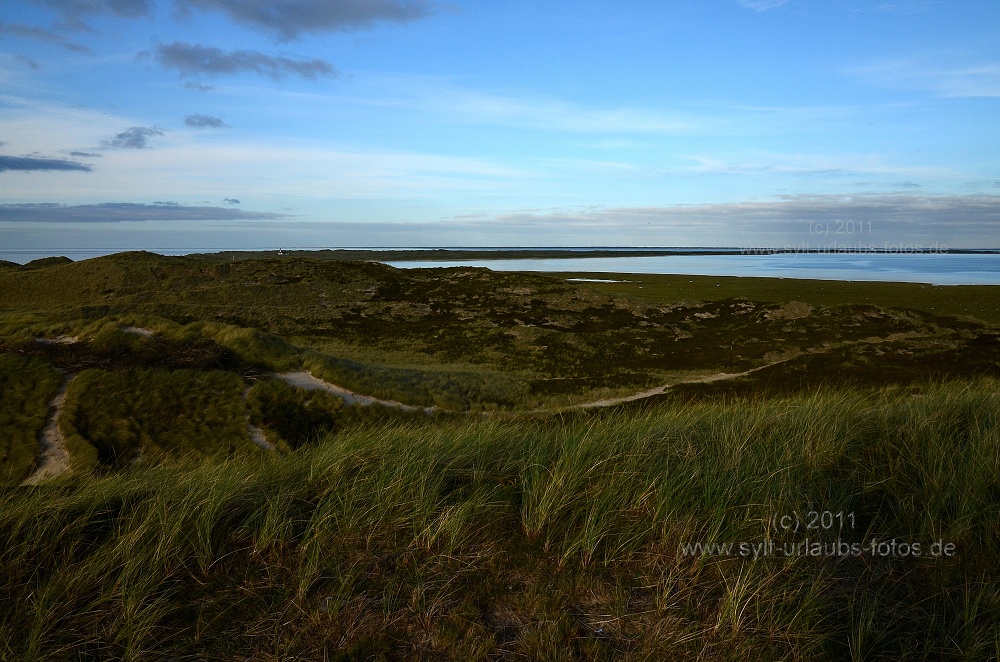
(939, 269)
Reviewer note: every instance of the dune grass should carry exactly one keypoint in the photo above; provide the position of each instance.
(673, 528)
(26, 387)
(568, 538)
(292, 417)
(156, 414)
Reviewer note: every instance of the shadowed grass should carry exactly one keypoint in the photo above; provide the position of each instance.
(154, 414)
(546, 539)
(26, 387)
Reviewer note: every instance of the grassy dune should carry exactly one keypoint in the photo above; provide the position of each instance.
(157, 414)
(471, 339)
(26, 387)
(979, 301)
(292, 418)
(545, 539)
(821, 481)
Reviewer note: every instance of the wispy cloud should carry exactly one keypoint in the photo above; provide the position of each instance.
(205, 122)
(804, 165)
(231, 201)
(530, 111)
(31, 163)
(36, 127)
(28, 62)
(787, 219)
(125, 211)
(761, 5)
(907, 7)
(760, 164)
(290, 19)
(319, 171)
(136, 137)
(24, 31)
(969, 80)
(195, 59)
(544, 112)
(73, 12)
(198, 87)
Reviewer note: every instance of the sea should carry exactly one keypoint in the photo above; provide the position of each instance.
(936, 268)
(966, 268)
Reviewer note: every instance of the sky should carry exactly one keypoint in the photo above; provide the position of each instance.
(196, 124)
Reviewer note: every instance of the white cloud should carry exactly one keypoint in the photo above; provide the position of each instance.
(29, 125)
(617, 126)
(907, 7)
(955, 220)
(192, 166)
(810, 164)
(761, 5)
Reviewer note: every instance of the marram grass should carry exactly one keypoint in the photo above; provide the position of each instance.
(547, 539)
(26, 387)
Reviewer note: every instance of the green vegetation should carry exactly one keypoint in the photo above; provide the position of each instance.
(455, 390)
(979, 301)
(471, 339)
(534, 539)
(291, 417)
(507, 523)
(156, 414)
(26, 387)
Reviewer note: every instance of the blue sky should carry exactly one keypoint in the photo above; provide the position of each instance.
(258, 123)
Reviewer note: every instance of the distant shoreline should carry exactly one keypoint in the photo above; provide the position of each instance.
(449, 254)
(412, 254)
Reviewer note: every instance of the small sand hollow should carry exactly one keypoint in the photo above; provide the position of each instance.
(306, 380)
(58, 340)
(256, 434)
(138, 331)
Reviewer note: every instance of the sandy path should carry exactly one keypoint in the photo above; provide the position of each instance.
(54, 459)
(305, 380)
(721, 376)
(705, 379)
(256, 434)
